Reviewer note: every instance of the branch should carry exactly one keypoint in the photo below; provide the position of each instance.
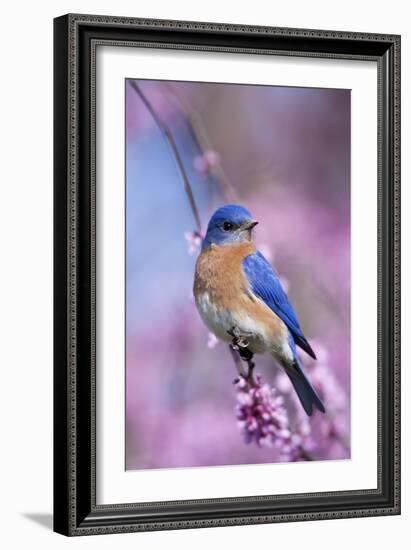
(171, 141)
(201, 140)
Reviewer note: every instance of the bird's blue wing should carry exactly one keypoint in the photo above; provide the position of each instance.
(266, 285)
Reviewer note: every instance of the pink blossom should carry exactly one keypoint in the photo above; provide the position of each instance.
(194, 240)
(206, 163)
(262, 417)
(212, 341)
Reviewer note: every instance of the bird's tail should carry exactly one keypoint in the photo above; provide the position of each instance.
(306, 393)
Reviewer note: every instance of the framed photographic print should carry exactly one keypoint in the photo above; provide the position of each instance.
(227, 278)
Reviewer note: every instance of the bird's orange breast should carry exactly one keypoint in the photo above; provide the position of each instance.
(219, 273)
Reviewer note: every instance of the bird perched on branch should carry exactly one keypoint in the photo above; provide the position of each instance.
(239, 296)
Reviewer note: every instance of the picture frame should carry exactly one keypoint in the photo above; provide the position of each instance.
(76, 511)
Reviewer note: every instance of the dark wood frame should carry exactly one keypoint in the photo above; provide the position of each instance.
(76, 38)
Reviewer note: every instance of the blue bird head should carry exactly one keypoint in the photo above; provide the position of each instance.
(230, 224)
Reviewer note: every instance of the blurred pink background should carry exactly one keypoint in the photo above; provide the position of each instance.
(286, 154)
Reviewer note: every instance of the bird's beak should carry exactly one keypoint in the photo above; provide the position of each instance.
(250, 225)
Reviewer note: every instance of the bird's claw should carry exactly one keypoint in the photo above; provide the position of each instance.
(240, 344)
(239, 339)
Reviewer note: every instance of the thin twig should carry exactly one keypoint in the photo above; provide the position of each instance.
(237, 361)
(170, 139)
(201, 140)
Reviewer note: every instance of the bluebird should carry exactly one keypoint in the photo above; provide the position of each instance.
(235, 288)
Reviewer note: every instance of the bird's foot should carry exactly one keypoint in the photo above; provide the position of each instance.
(240, 343)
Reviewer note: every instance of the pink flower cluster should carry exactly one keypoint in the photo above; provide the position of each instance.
(206, 163)
(194, 240)
(262, 417)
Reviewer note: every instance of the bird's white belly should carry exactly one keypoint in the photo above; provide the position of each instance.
(221, 321)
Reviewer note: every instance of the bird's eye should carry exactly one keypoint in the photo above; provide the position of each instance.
(228, 226)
